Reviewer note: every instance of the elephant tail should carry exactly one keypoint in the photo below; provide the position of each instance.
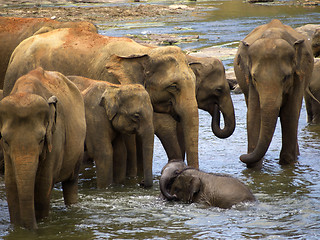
(311, 95)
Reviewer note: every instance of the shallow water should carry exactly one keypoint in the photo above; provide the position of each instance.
(288, 197)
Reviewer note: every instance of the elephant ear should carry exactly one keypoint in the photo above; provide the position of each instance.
(110, 101)
(52, 101)
(194, 188)
(243, 59)
(298, 46)
(127, 68)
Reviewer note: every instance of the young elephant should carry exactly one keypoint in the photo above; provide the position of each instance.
(312, 95)
(178, 182)
(112, 112)
(273, 67)
(42, 126)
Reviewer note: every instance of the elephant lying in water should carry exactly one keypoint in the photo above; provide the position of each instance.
(273, 66)
(14, 30)
(163, 71)
(112, 112)
(42, 130)
(178, 182)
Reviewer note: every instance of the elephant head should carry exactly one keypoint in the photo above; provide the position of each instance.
(27, 122)
(272, 67)
(168, 174)
(316, 43)
(170, 82)
(130, 111)
(213, 93)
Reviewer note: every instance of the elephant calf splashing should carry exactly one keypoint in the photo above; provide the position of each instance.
(273, 66)
(179, 182)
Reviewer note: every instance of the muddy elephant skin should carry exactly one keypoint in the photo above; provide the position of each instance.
(273, 66)
(42, 134)
(312, 96)
(163, 71)
(213, 96)
(181, 183)
(112, 112)
(14, 30)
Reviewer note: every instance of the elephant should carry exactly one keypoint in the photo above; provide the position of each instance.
(273, 66)
(213, 96)
(182, 183)
(14, 30)
(113, 111)
(312, 96)
(315, 43)
(43, 128)
(163, 71)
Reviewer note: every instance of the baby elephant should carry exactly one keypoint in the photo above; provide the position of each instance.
(112, 113)
(179, 182)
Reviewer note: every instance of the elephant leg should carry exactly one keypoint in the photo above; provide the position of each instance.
(103, 158)
(181, 140)
(166, 130)
(130, 141)
(253, 123)
(70, 186)
(119, 159)
(42, 195)
(289, 117)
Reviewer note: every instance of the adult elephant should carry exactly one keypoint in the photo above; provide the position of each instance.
(14, 30)
(213, 96)
(315, 43)
(113, 111)
(312, 96)
(42, 130)
(163, 71)
(181, 183)
(273, 66)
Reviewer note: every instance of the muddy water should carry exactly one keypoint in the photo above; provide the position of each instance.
(288, 197)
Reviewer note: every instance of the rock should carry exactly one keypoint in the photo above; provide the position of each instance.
(222, 53)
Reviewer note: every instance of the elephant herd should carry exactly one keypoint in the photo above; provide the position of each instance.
(72, 95)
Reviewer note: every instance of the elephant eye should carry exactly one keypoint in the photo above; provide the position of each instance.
(135, 117)
(5, 142)
(41, 140)
(218, 90)
(173, 87)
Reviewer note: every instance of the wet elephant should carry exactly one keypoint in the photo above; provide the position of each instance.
(42, 134)
(163, 71)
(273, 66)
(213, 96)
(315, 43)
(14, 30)
(181, 183)
(112, 112)
(312, 96)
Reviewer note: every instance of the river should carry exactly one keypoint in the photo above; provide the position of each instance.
(288, 198)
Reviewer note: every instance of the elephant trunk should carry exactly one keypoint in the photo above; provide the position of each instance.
(25, 168)
(164, 186)
(189, 117)
(147, 139)
(227, 110)
(269, 116)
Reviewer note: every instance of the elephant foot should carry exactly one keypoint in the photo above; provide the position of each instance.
(287, 159)
(142, 184)
(256, 165)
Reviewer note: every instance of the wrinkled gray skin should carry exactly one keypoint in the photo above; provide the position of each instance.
(312, 96)
(178, 182)
(213, 96)
(273, 67)
(114, 111)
